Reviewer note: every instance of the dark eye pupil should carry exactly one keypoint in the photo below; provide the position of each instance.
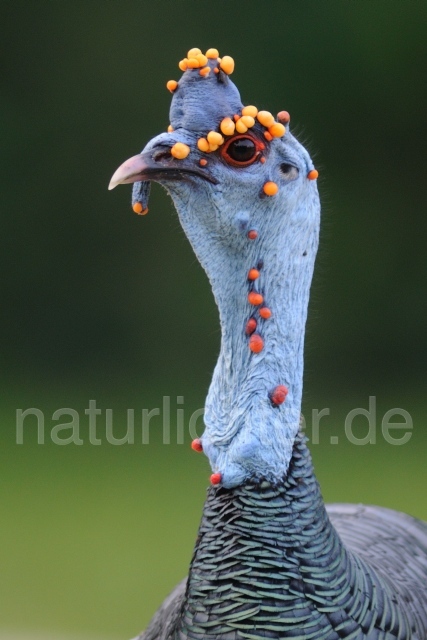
(242, 150)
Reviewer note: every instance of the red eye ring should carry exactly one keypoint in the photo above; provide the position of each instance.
(257, 148)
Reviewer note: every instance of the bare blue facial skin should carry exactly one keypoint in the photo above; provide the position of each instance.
(246, 436)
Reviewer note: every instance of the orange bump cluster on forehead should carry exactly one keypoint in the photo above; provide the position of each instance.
(241, 124)
(231, 124)
(197, 60)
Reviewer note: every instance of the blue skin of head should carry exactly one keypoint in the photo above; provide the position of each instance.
(246, 437)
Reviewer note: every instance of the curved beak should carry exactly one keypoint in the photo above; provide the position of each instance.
(132, 170)
(159, 165)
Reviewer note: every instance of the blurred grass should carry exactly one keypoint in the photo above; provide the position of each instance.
(94, 537)
(11, 635)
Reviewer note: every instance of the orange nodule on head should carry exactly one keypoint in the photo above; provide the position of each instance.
(250, 110)
(270, 188)
(313, 174)
(192, 53)
(215, 138)
(227, 126)
(227, 64)
(248, 121)
(193, 63)
(203, 61)
(255, 298)
(252, 234)
(240, 126)
(283, 116)
(215, 478)
(180, 150)
(277, 130)
(256, 343)
(265, 118)
(196, 445)
(203, 162)
(203, 145)
(172, 85)
(212, 54)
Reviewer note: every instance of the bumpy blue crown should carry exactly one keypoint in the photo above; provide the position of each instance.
(206, 100)
(205, 94)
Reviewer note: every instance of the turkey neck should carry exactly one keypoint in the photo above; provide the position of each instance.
(247, 436)
(269, 563)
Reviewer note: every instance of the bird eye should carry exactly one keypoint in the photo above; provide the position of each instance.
(289, 171)
(240, 151)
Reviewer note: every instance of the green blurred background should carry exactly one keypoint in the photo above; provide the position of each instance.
(98, 303)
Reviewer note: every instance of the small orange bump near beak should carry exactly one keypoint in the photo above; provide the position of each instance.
(137, 207)
(203, 145)
(180, 150)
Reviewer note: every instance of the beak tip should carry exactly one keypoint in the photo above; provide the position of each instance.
(127, 172)
(116, 179)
